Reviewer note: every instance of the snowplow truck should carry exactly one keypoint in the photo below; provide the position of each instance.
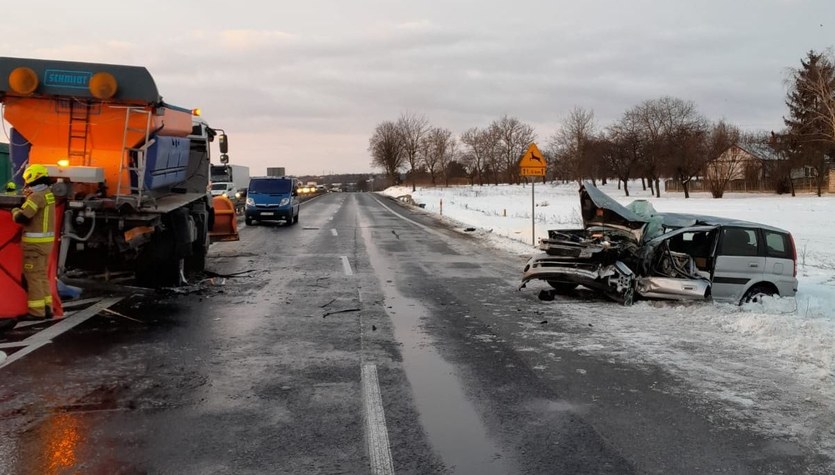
(131, 170)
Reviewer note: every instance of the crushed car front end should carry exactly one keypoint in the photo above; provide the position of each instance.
(620, 254)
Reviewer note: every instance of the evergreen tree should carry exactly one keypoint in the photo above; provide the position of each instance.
(811, 104)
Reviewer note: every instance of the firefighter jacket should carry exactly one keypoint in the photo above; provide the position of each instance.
(37, 215)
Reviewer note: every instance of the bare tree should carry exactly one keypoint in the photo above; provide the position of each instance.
(664, 122)
(386, 150)
(476, 152)
(437, 151)
(569, 143)
(412, 128)
(625, 150)
(491, 137)
(514, 136)
(724, 161)
(687, 142)
(449, 155)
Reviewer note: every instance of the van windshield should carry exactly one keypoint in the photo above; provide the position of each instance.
(269, 186)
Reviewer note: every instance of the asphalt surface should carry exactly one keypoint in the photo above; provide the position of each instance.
(367, 338)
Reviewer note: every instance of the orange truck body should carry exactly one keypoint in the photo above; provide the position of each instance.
(134, 169)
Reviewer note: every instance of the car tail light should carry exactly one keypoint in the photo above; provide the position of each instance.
(794, 255)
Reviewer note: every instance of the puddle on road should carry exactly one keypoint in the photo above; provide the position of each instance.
(450, 420)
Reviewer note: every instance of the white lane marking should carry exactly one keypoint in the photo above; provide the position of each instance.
(78, 303)
(333, 231)
(379, 453)
(45, 336)
(347, 266)
(425, 228)
(14, 344)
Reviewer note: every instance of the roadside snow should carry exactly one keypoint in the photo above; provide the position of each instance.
(773, 364)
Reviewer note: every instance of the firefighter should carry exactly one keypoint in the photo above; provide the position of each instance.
(37, 216)
(11, 188)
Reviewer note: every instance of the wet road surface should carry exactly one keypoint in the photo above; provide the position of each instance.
(364, 339)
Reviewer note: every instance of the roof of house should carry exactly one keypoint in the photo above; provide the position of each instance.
(761, 151)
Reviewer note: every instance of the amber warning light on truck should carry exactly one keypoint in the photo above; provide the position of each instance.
(102, 85)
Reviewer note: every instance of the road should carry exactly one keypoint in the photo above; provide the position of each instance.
(367, 338)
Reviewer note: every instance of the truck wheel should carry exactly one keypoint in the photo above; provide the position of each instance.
(156, 265)
(197, 261)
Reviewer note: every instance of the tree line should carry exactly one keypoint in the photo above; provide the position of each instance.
(662, 138)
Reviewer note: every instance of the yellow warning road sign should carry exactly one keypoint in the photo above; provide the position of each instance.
(532, 162)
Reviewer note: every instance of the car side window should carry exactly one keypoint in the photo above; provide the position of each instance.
(776, 245)
(739, 242)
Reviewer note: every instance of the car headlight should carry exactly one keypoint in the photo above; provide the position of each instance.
(250, 202)
(284, 202)
(238, 195)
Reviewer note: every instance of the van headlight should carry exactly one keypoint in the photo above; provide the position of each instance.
(284, 202)
(250, 202)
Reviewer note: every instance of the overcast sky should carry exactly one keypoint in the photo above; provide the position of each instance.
(302, 84)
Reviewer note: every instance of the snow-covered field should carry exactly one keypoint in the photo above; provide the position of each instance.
(773, 365)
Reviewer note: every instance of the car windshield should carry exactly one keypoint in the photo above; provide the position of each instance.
(269, 186)
(219, 186)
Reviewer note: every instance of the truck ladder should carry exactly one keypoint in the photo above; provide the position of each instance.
(134, 193)
(78, 130)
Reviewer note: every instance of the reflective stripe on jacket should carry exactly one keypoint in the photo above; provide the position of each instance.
(39, 209)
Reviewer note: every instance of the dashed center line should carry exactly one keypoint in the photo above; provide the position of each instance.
(333, 231)
(347, 266)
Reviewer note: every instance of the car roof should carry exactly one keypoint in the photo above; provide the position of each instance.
(683, 220)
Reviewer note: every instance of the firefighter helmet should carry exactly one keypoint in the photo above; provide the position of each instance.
(33, 172)
(10, 186)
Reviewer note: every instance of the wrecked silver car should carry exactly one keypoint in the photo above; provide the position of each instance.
(633, 251)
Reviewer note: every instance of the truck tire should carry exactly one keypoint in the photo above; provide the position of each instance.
(157, 265)
(197, 261)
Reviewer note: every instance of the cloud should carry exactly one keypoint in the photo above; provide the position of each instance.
(330, 71)
(252, 40)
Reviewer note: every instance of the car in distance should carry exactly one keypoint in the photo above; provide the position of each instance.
(272, 199)
(629, 251)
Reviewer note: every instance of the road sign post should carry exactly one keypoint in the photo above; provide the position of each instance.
(532, 164)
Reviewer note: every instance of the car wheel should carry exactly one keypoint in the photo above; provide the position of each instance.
(562, 287)
(248, 221)
(295, 219)
(756, 293)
